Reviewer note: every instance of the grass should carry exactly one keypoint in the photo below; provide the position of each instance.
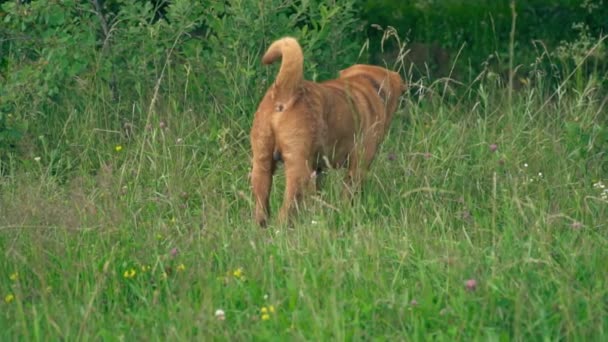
(479, 221)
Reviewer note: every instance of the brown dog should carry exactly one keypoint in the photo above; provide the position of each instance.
(309, 125)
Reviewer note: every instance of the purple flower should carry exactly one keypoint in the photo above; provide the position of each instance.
(493, 148)
(174, 252)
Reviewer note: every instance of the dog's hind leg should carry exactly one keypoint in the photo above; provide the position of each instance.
(297, 181)
(262, 143)
(261, 181)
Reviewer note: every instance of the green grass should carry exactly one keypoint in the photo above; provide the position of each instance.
(142, 242)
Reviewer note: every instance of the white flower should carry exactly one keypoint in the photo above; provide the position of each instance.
(37, 159)
(220, 314)
(525, 164)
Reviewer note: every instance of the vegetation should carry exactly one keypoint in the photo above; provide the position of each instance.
(125, 209)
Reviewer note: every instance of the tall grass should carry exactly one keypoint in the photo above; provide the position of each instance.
(482, 218)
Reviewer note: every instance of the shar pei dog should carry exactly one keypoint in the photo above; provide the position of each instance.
(311, 126)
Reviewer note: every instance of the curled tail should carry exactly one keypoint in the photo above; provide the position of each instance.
(290, 77)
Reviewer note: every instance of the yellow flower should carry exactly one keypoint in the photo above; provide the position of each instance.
(129, 273)
(14, 276)
(238, 273)
(181, 267)
(265, 317)
(9, 298)
(271, 308)
(264, 310)
(118, 148)
(144, 268)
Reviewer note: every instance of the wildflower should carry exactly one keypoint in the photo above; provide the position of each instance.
(471, 284)
(266, 312)
(162, 125)
(181, 267)
(391, 156)
(576, 225)
(179, 141)
(174, 252)
(129, 273)
(14, 276)
(145, 268)
(37, 159)
(9, 298)
(220, 314)
(238, 273)
(118, 148)
(525, 164)
(493, 148)
(414, 302)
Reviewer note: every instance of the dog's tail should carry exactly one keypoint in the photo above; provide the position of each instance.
(290, 77)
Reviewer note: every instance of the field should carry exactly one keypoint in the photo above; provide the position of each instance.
(484, 217)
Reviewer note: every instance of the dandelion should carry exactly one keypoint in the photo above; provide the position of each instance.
(14, 276)
(181, 267)
(9, 298)
(265, 312)
(118, 148)
(220, 314)
(238, 273)
(128, 274)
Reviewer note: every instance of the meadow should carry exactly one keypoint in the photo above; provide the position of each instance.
(484, 217)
